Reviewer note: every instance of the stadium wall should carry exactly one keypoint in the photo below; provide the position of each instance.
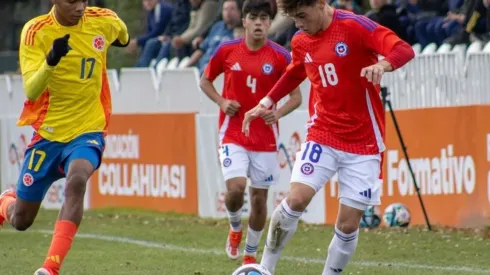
(162, 146)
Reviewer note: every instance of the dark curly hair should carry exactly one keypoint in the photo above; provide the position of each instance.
(257, 6)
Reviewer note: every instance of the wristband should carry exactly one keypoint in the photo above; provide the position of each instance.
(266, 102)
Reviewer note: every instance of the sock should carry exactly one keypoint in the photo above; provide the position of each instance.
(4, 207)
(235, 220)
(284, 222)
(64, 233)
(340, 251)
(252, 242)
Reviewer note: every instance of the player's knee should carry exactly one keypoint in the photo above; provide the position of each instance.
(297, 202)
(76, 184)
(21, 222)
(259, 202)
(347, 227)
(236, 188)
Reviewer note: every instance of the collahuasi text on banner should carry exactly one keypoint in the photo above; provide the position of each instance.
(149, 163)
(449, 150)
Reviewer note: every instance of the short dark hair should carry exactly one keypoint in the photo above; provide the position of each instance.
(290, 6)
(257, 6)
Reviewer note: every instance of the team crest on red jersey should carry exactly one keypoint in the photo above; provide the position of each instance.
(98, 43)
(27, 179)
(341, 49)
(267, 68)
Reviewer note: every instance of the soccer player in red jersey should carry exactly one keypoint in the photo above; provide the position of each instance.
(251, 67)
(338, 52)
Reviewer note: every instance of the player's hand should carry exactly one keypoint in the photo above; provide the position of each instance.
(257, 111)
(60, 49)
(196, 42)
(373, 73)
(229, 107)
(132, 46)
(178, 42)
(270, 117)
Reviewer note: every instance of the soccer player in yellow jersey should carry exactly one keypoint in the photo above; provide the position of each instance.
(63, 64)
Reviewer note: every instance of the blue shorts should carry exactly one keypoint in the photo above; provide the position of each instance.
(46, 162)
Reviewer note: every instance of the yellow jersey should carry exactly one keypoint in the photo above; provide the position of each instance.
(75, 97)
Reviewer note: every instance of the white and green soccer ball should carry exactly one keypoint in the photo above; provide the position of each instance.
(396, 215)
(371, 217)
(251, 269)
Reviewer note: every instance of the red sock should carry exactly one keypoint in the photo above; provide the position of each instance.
(64, 232)
(4, 207)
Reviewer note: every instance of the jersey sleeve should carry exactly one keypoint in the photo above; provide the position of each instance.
(287, 61)
(32, 58)
(32, 53)
(385, 42)
(294, 74)
(215, 66)
(119, 31)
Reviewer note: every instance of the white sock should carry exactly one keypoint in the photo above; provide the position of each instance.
(284, 222)
(252, 242)
(340, 251)
(235, 220)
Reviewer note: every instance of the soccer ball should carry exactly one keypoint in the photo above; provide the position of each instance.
(371, 217)
(396, 214)
(251, 269)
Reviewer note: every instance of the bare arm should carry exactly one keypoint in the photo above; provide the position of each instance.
(194, 58)
(294, 102)
(210, 91)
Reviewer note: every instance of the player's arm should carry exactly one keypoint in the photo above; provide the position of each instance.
(120, 34)
(295, 74)
(213, 70)
(385, 42)
(271, 117)
(293, 102)
(37, 68)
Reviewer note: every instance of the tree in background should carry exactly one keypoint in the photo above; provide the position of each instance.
(15, 13)
(132, 14)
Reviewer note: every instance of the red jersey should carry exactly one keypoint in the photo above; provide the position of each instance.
(346, 112)
(249, 76)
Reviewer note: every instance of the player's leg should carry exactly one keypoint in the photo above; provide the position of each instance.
(315, 165)
(81, 158)
(19, 208)
(359, 187)
(264, 172)
(234, 163)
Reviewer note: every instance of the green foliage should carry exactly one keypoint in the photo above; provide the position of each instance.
(131, 12)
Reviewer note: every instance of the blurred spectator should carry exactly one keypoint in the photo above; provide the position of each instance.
(282, 29)
(220, 32)
(476, 20)
(347, 5)
(203, 15)
(386, 15)
(239, 32)
(428, 18)
(159, 15)
(454, 20)
(178, 24)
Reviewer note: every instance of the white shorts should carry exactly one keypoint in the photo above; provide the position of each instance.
(261, 167)
(359, 184)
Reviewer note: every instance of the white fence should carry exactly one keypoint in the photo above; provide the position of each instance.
(430, 80)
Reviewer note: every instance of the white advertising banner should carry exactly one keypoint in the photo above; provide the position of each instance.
(13, 142)
(211, 185)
